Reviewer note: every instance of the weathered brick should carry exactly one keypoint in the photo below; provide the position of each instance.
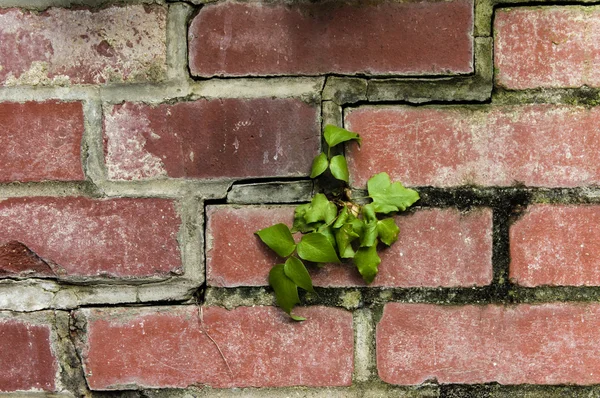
(556, 245)
(383, 38)
(437, 247)
(28, 362)
(85, 237)
(81, 46)
(40, 141)
(536, 145)
(523, 344)
(547, 47)
(179, 346)
(212, 138)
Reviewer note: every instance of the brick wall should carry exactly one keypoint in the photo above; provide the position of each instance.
(142, 142)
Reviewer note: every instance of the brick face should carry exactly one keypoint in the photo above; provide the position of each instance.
(547, 47)
(384, 38)
(28, 362)
(211, 139)
(169, 347)
(436, 248)
(445, 146)
(556, 245)
(41, 141)
(522, 344)
(85, 237)
(64, 46)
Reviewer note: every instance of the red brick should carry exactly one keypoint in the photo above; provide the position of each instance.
(524, 344)
(63, 46)
(171, 347)
(536, 145)
(40, 141)
(547, 47)
(436, 248)
(87, 237)
(26, 357)
(212, 138)
(556, 245)
(383, 38)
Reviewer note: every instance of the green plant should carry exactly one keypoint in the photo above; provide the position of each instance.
(335, 226)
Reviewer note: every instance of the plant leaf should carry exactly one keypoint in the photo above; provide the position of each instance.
(279, 238)
(300, 224)
(339, 168)
(328, 232)
(316, 247)
(320, 209)
(344, 237)
(369, 236)
(336, 135)
(388, 231)
(388, 197)
(341, 218)
(286, 291)
(367, 261)
(320, 164)
(296, 271)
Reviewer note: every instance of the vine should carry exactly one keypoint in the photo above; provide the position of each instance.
(335, 226)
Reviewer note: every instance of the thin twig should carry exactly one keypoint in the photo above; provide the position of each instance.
(203, 330)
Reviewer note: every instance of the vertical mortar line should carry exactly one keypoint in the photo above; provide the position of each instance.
(364, 343)
(70, 365)
(191, 238)
(500, 250)
(482, 18)
(92, 145)
(177, 45)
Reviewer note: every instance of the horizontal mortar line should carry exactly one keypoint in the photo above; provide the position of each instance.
(342, 75)
(427, 101)
(450, 296)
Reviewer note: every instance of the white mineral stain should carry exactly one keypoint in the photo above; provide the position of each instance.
(113, 44)
(127, 158)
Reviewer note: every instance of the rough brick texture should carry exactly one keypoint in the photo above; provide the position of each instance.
(211, 139)
(547, 47)
(384, 38)
(445, 146)
(85, 237)
(523, 344)
(41, 141)
(436, 248)
(556, 245)
(62, 46)
(171, 347)
(28, 362)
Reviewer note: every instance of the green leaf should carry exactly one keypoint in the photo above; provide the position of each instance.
(388, 231)
(344, 237)
(339, 168)
(369, 235)
(367, 261)
(341, 218)
(388, 197)
(316, 247)
(369, 212)
(279, 238)
(320, 209)
(300, 224)
(328, 232)
(296, 271)
(336, 135)
(286, 291)
(320, 164)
